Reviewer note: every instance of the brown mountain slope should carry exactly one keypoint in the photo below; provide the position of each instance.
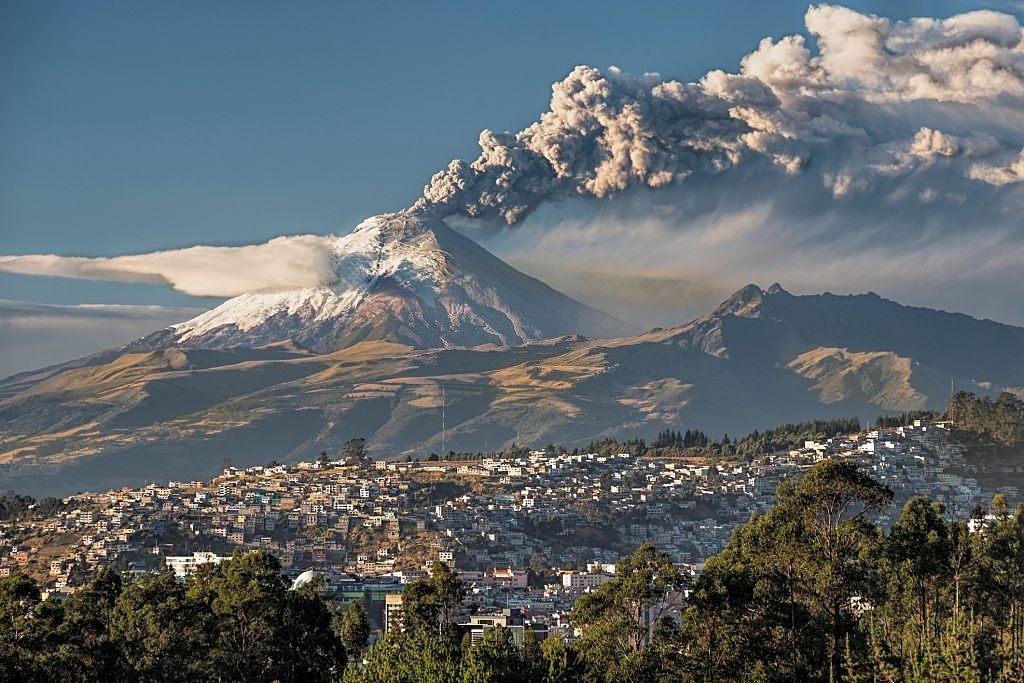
(761, 358)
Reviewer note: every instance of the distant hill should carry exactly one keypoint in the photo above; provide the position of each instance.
(762, 358)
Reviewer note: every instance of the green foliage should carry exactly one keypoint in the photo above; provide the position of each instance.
(608, 446)
(158, 629)
(417, 655)
(495, 659)
(21, 640)
(813, 590)
(904, 419)
(423, 654)
(999, 422)
(559, 662)
(670, 442)
(237, 621)
(14, 506)
(354, 628)
(355, 451)
(432, 602)
(788, 435)
(784, 585)
(670, 438)
(532, 658)
(616, 617)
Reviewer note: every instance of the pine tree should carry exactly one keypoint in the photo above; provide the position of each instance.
(355, 629)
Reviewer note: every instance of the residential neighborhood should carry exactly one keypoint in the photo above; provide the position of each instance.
(527, 534)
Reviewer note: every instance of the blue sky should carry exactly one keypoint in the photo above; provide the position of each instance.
(135, 126)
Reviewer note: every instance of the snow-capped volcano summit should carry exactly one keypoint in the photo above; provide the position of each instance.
(405, 277)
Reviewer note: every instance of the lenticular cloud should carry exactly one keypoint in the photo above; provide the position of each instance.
(281, 263)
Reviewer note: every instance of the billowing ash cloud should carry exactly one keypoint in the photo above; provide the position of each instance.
(880, 100)
(281, 263)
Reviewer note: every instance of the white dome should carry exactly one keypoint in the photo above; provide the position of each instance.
(303, 578)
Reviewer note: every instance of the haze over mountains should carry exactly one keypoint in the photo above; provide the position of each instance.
(424, 321)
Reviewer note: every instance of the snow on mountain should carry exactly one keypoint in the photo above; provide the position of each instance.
(405, 277)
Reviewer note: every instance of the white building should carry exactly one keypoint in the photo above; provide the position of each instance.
(579, 581)
(184, 565)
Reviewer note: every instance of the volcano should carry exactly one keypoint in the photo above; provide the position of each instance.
(402, 277)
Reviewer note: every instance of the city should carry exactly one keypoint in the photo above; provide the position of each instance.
(528, 532)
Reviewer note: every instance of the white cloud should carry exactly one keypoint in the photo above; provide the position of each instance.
(1012, 172)
(281, 263)
(870, 93)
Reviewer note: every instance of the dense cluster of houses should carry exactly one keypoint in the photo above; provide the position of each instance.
(528, 534)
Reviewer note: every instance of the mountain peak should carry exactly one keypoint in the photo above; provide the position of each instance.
(401, 225)
(743, 302)
(405, 277)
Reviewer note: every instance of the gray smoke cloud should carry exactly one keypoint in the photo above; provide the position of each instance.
(880, 155)
(879, 100)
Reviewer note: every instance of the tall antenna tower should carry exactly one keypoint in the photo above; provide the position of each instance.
(443, 428)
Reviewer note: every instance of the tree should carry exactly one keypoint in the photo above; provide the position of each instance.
(532, 660)
(87, 650)
(919, 544)
(559, 662)
(14, 506)
(778, 600)
(1000, 506)
(999, 592)
(312, 651)
(237, 621)
(417, 655)
(355, 451)
(495, 659)
(831, 504)
(159, 632)
(355, 628)
(261, 630)
(432, 602)
(19, 635)
(997, 423)
(537, 563)
(616, 619)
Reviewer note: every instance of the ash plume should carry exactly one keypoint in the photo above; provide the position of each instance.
(878, 101)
